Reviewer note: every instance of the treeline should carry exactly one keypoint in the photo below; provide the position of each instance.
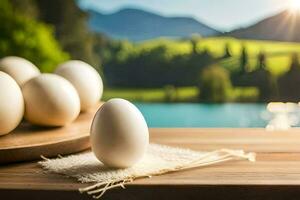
(271, 88)
(260, 77)
(48, 32)
(141, 66)
(131, 65)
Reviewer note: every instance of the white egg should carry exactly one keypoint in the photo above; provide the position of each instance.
(11, 104)
(119, 134)
(50, 100)
(85, 79)
(19, 69)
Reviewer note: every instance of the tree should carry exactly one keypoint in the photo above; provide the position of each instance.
(69, 23)
(294, 62)
(241, 76)
(27, 8)
(25, 37)
(244, 60)
(195, 38)
(261, 60)
(227, 51)
(71, 28)
(263, 80)
(214, 84)
(290, 81)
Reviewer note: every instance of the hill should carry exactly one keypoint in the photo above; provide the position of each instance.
(284, 26)
(137, 25)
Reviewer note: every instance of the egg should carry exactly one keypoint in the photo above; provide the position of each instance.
(11, 104)
(50, 100)
(19, 69)
(119, 134)
(85, 79)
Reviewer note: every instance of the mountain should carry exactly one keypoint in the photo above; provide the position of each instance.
(284, 26)
(136, 25)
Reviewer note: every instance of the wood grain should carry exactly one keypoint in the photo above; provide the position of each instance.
(29, 142)
(249, 139)
(276, 171)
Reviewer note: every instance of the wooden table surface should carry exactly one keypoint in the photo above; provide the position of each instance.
(275, 174)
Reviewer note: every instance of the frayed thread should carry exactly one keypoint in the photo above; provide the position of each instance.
(97, 190)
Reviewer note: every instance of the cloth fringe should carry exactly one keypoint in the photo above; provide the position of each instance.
(107, 180)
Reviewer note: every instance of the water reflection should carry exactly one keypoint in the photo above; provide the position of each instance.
(272, 116)
(283, 115)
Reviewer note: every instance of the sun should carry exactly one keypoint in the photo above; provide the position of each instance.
(295, 5)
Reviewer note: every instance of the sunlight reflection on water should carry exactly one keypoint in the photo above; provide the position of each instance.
(284, 115)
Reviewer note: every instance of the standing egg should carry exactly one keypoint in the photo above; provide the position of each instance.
(11, 104)
(50, 100)
(85, 79)
(19, 69)
(119, 134)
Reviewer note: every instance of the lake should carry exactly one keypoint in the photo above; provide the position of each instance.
(204, 115)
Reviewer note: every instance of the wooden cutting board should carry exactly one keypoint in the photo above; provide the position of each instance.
(29, 142)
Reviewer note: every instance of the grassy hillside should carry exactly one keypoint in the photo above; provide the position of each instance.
(278, 53)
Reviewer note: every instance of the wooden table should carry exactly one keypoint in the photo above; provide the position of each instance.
(275, 175)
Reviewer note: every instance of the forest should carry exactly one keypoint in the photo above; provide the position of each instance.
(194, 69)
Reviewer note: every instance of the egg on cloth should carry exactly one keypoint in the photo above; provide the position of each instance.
(50, 100)
(85, 79)
(119, 134)
(11, 104)
(19, 69)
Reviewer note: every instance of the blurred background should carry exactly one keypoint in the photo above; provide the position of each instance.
(192, 63)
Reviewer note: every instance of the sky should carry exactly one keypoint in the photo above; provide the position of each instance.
(223, 15)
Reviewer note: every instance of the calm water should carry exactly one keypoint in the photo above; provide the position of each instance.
(204, 115)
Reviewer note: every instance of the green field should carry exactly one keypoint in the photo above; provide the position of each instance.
(152, 95)
(278, 53)
(182, 94)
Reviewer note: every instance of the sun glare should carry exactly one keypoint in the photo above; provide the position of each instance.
(295, 5)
